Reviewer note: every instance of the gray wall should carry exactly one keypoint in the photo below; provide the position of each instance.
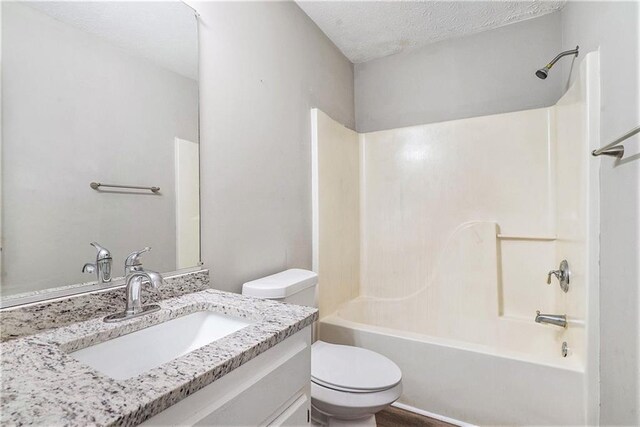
(264, 65)
(77, 109)
(612, 27)
(487, 73)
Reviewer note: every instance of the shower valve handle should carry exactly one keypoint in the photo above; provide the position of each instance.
(563, 275)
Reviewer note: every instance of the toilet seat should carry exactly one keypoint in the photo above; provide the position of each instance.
(352, 369)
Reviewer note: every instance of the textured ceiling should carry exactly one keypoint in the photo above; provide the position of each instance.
(365, 30)
(164, 32)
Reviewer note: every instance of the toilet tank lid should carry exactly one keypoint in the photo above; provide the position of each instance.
(281, 285)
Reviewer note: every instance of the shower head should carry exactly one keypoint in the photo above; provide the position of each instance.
(543, 72)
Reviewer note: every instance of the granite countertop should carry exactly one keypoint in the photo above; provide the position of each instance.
(43, 385)
(23, 320)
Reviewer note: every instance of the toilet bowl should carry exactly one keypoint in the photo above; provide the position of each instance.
(348, 384)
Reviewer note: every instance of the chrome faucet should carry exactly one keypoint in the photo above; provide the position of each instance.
(102, 267)
(552, 319)
(135, 278)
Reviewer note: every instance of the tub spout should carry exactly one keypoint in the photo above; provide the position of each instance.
(552, 319)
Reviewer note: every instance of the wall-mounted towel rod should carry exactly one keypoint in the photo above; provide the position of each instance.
(97, 185)
(613, 149)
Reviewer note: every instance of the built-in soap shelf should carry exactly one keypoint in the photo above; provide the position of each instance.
(524, 237)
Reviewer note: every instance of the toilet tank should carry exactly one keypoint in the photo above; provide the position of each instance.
(294, 286)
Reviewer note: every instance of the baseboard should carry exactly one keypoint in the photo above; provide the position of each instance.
(431, 415)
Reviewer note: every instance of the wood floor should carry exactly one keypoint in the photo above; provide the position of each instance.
(394, 417)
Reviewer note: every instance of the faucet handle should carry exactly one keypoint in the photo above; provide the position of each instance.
(89, 268)
(103, 253)
(563, 274)
(133, 259)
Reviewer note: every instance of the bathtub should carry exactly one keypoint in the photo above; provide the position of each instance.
(432, 245)
(470, 382)
(463, 354)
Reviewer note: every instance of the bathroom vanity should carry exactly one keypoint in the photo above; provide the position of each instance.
(271, 389)
(97, 88)
(206, 357)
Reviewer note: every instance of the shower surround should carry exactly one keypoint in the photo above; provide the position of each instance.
(433, 245)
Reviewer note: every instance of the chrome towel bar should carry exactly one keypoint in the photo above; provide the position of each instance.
(614, 149)
(97, 185)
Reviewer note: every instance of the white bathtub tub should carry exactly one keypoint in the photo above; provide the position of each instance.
(432, 244)
(473, 383)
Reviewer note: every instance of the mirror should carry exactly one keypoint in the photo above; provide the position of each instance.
(104, 93)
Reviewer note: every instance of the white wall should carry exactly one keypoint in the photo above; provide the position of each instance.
(77, 109)
(422, 184)
(336, 211)
(612, 27)
(487, 73)
(264, 65)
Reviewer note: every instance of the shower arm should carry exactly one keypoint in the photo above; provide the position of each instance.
(561, 54)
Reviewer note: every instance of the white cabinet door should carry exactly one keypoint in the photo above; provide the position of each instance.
(297, 414)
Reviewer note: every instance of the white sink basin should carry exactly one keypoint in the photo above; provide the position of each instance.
(135, 353)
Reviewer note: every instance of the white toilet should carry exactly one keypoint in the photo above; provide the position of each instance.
(348, 384)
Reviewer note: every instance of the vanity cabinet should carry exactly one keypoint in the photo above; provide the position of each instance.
(270, 389)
